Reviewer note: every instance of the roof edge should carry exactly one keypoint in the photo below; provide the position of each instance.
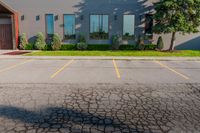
(7, 7)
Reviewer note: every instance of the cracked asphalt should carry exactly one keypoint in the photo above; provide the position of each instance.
(89, 97)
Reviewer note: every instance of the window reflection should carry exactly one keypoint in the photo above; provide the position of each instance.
(49, 25)
(128, 27)
(69, 27)
(99, 26)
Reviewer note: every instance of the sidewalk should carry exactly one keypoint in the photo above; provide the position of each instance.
(99, 58)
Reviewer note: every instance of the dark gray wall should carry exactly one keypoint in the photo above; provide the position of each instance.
(31, 8)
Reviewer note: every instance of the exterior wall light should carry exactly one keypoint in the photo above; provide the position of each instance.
(56, 17)
(115, 17)
(22, 18)
(81, 17)
(37, 18)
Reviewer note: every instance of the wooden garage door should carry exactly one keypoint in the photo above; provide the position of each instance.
(6, 36)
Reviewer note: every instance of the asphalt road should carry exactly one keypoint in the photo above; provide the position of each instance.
(99, 96)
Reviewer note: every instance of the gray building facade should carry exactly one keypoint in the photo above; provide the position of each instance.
(88, 17)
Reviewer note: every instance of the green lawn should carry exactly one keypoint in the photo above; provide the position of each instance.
(183, 53)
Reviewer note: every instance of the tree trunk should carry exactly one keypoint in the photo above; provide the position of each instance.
(172, 41)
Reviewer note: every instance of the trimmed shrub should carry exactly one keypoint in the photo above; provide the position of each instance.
(115, 42)
(127, 47)
(68, 47)
(40, 41)
(22, 41)
(100, 47)
(160, 44)
(56, 42)
(81, 46)
(29, 46)
(140, 43)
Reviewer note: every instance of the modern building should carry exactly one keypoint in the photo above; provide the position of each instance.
(97, 20)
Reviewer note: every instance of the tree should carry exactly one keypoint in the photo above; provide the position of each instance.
(174, 16)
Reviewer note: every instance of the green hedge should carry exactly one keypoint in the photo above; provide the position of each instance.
(127, 47)
(68, 47)
(150, 47)
(99, 47)
(104, 47)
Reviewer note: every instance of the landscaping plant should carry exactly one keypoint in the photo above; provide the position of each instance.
(40, 41)
(56, 42)
(140, 43)
(160, 44)
(115, 42)
(81, 45)
(22, 41)
(173, 16)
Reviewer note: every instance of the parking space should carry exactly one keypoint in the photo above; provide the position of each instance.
(98, 71)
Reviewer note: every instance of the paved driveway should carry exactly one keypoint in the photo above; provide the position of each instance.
(91, 96)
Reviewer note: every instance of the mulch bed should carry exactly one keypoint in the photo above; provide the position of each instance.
(16, 53)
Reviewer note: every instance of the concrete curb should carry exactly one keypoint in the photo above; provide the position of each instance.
(100, 58)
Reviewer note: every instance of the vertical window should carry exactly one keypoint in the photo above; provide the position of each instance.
(69, 27)
(149, 24)
(49, 25)
(99, 27)
(128, 26)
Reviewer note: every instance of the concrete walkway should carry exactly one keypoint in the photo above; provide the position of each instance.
(99, 58)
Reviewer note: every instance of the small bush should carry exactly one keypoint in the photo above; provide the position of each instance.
(81, 46)
(29, 46)
(115, 42)
(127, 47)
(40, 41)
(68, 47)
(140, 43)
(56, 42)
(160, 44)
(100, 47)
(22, 41)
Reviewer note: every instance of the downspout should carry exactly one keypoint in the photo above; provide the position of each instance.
(16, 25)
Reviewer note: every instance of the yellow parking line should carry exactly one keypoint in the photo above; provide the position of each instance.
(61, 69)
(116, 69)
(14, 66)
(171, 69)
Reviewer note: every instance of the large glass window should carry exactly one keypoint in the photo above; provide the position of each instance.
(69, 27)
(49, 25)
(128, 26)
(99, 27)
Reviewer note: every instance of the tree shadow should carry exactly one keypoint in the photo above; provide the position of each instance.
(115, 9)
(59, 117)
(192, 44)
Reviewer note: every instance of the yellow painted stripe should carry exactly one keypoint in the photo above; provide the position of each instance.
(171, 69)
(61, 69)
(116, 69)
(14, 66)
